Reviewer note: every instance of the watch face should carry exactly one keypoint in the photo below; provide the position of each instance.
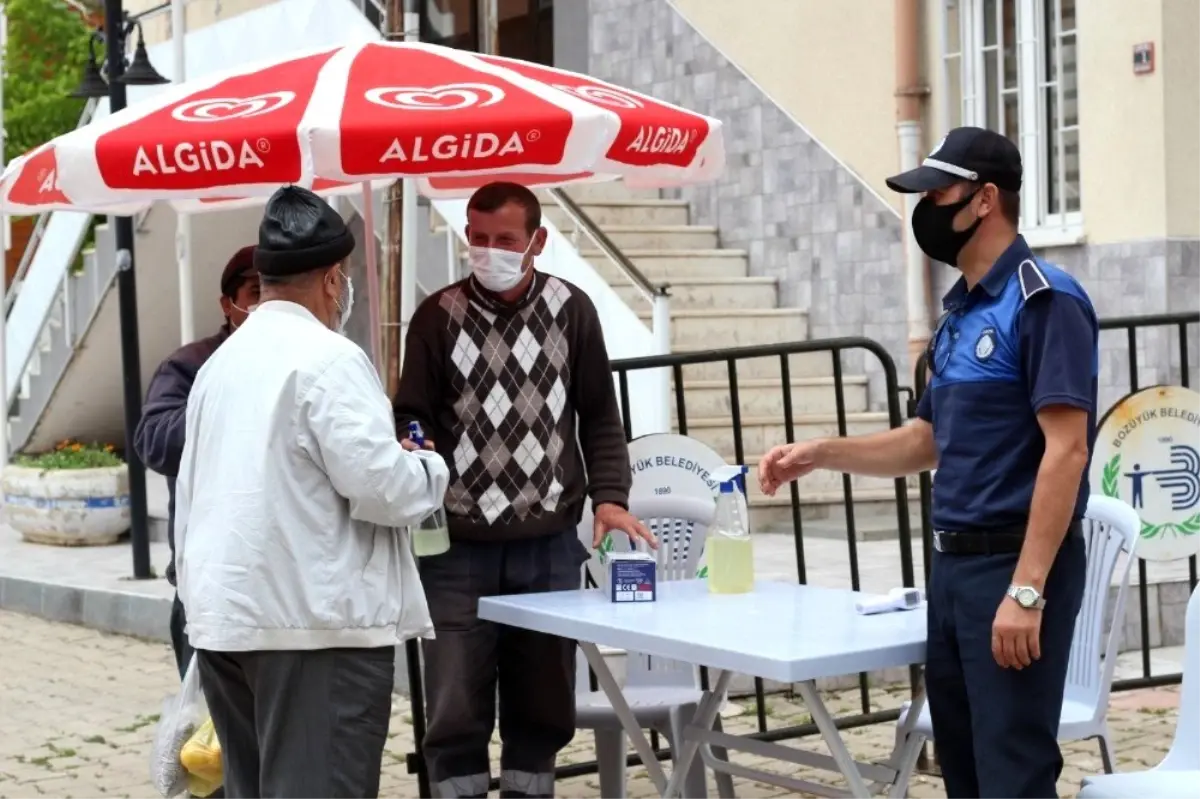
(1026, 597)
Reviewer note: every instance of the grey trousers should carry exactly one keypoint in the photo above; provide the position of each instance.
(300, 723)
(469, 659)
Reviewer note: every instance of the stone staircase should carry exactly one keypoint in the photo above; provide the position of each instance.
(717, 304)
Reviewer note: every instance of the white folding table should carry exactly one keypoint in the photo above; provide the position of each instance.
(781, 631)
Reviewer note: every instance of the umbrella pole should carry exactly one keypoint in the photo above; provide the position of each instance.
(183, 220)
(408, 199)
(372, 272)
(392, 353)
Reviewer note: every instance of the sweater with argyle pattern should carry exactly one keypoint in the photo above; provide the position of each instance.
(519, 400)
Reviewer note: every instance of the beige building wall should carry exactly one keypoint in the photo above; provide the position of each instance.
(199, 13)
(830, 65)
(1136, 131)
(1122, 146)
(1180, 63)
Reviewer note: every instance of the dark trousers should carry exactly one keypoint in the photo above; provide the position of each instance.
(995, 729)
(300, 723)
(179, 642)
(469, 659)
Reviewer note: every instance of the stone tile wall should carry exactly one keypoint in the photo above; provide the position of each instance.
(836, 247)
(802, 216)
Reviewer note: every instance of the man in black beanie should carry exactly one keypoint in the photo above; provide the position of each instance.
(293, 565)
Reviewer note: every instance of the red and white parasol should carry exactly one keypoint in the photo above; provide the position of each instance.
(366, 112)
(346, 119)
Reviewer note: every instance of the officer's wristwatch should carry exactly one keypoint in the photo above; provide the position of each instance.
(1027, 597)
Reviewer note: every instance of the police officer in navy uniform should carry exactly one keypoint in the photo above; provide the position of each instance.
(1008, 423)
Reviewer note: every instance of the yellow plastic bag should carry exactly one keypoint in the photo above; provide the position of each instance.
(201, 756)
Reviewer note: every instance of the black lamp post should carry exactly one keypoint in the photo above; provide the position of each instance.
(138, 73)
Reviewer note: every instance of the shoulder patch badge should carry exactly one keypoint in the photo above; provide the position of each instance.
(1033, 281)
(985, 345)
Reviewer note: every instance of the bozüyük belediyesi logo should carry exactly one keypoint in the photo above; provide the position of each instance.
(1148, 455)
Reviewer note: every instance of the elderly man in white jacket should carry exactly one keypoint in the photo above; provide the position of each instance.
(293, 493)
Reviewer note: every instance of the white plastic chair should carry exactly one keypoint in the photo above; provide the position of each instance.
(1110, 527)
(1178, 775)
(663, 694)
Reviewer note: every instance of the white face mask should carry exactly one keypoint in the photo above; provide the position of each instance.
(497, 270)
(345, 304)
(246, 311)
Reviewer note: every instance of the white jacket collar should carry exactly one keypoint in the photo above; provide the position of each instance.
(288, 307)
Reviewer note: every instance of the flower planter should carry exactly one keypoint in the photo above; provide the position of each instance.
(67, 507)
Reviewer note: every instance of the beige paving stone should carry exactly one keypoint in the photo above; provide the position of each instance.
(78, 708)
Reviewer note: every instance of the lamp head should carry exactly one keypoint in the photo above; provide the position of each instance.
(141, 72)
(93, 84)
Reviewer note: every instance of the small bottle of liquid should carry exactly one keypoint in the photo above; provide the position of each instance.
(432, 535)
(728, 550)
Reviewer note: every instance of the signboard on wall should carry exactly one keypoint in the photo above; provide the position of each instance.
(664, 464)
(1147, 454)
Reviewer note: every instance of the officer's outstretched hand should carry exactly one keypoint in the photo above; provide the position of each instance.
(1016, 635)
(785, 463)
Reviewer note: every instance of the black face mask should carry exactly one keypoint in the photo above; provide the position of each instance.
(933, 228)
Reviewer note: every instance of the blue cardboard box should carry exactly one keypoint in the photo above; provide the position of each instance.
(632, 577)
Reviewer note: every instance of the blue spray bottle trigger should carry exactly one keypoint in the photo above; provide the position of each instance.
(734, 475)
(415, 434)
(727, 487)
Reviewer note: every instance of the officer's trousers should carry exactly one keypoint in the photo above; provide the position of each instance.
(996, 729)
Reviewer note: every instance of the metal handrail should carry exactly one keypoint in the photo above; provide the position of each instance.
(39, 229)
(584, 223)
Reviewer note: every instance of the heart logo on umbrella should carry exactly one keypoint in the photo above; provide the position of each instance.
(602, 95)
(450, 97)
(221, 109)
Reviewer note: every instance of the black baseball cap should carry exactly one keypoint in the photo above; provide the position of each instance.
(974, 154)
(239, 268)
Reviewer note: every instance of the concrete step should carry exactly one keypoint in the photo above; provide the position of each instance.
(774, 514)
(608, 190)
(761, 433)
(764, 398)
(671, 264)
(874, 526)
(699, 293)
(714, 328)
(655, 237)
(623, 212)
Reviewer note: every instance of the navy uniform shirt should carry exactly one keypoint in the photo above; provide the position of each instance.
(1026, 336)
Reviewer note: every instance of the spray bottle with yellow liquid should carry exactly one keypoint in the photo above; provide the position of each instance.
(728, 550)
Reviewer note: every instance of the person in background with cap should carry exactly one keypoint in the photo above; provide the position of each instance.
(159, 437)
(1008, 422)
(295, 572)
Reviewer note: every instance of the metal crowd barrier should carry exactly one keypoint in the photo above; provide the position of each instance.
(731, 358)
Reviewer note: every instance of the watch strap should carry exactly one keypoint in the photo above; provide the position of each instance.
(1039, 601)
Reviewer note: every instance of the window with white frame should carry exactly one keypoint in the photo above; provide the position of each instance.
(1010, 66)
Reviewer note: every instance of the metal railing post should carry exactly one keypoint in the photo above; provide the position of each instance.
(661, 330)
(452, 263)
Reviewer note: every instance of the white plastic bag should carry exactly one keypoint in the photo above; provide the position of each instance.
(181, 715)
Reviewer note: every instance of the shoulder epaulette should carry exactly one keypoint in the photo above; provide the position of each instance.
(1032, 279)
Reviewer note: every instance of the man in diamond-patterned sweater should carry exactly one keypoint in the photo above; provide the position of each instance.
(508, 375)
